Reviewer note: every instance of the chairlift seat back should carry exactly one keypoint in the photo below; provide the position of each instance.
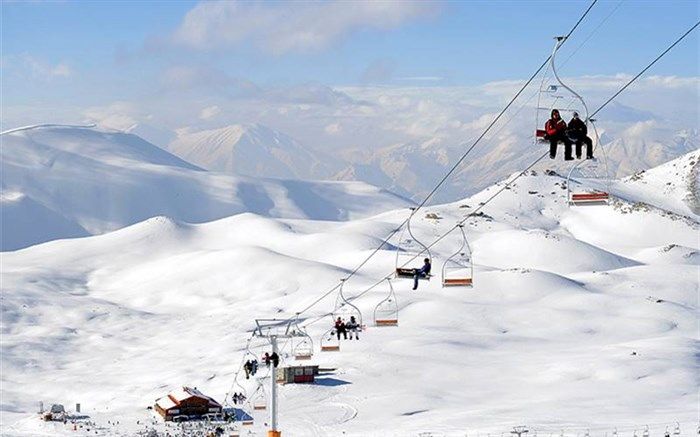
(387, 322)
(402, 272)
(541, 134)
(330, 348)
(589, 198)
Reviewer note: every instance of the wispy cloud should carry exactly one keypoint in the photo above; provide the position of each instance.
(37, 68)
(284, 27)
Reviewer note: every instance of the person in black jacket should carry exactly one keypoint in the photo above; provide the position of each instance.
(578, 132)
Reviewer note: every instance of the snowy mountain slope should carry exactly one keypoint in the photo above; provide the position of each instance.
(592, 311)
(98, 181)
(250, 149)
(675, 185)
(25, 222)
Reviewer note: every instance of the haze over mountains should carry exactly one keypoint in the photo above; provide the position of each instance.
(62, 182)
(411, 169)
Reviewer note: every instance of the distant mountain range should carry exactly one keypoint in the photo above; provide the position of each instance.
(63, 182)
(412, 169)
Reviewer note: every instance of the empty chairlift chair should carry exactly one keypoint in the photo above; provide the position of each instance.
(259, 398)
(410, 252)
(588, 182)
(386, 313)
(302, 346)
(303, 349)
(458, 269)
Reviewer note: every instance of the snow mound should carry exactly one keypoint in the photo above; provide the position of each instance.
(543, 250)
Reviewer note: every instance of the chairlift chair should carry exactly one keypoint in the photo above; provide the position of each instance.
(344, 310)
(410, 251)
(588, 183)
(458, 269)
(329, 341)
(259, 398)
(303, 349)
(386, 313)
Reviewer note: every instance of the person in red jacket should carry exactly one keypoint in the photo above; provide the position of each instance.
(556, 133)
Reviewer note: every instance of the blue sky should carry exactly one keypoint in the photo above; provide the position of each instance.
(84, 54)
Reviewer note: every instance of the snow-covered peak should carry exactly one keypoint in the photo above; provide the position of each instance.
(92, 181)
(249, 149)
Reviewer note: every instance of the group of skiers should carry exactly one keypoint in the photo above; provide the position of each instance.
(576, 132)
(271, 358)
(343, 327)
(238, 398)
(251, 366)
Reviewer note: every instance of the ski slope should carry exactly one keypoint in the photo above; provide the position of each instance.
(580, 319)
(82, 181)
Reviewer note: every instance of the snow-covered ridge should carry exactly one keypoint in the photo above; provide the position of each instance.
(251, 149)
(76, 181)
(45, 125)
(593, 309)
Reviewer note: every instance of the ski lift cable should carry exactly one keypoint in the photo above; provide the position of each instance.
(453, 169)
(542, 157)
(500, 114)
(593, 32)
(443, 236)
(668, 49)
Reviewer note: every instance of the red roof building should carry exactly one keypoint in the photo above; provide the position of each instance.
(186, 403)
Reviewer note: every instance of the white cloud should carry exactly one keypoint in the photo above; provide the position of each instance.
(209, 112)
(38, 68)
(291, 26)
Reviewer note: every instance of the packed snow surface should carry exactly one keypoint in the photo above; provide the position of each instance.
(580, 318)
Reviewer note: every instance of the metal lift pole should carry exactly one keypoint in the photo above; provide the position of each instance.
(273, 393)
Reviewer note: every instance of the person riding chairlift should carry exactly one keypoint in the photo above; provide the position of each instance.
(578, 133)
(353, 327)
(422, 272)
(556, 132)
(341, 328)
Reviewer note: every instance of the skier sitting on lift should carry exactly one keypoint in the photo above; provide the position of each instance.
(275, 359)
(556, 133)
(578, 133)
(340, 328)
(248, 367)
(353, 327)
(422, 272)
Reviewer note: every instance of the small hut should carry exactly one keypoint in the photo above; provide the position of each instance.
(186, 403)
